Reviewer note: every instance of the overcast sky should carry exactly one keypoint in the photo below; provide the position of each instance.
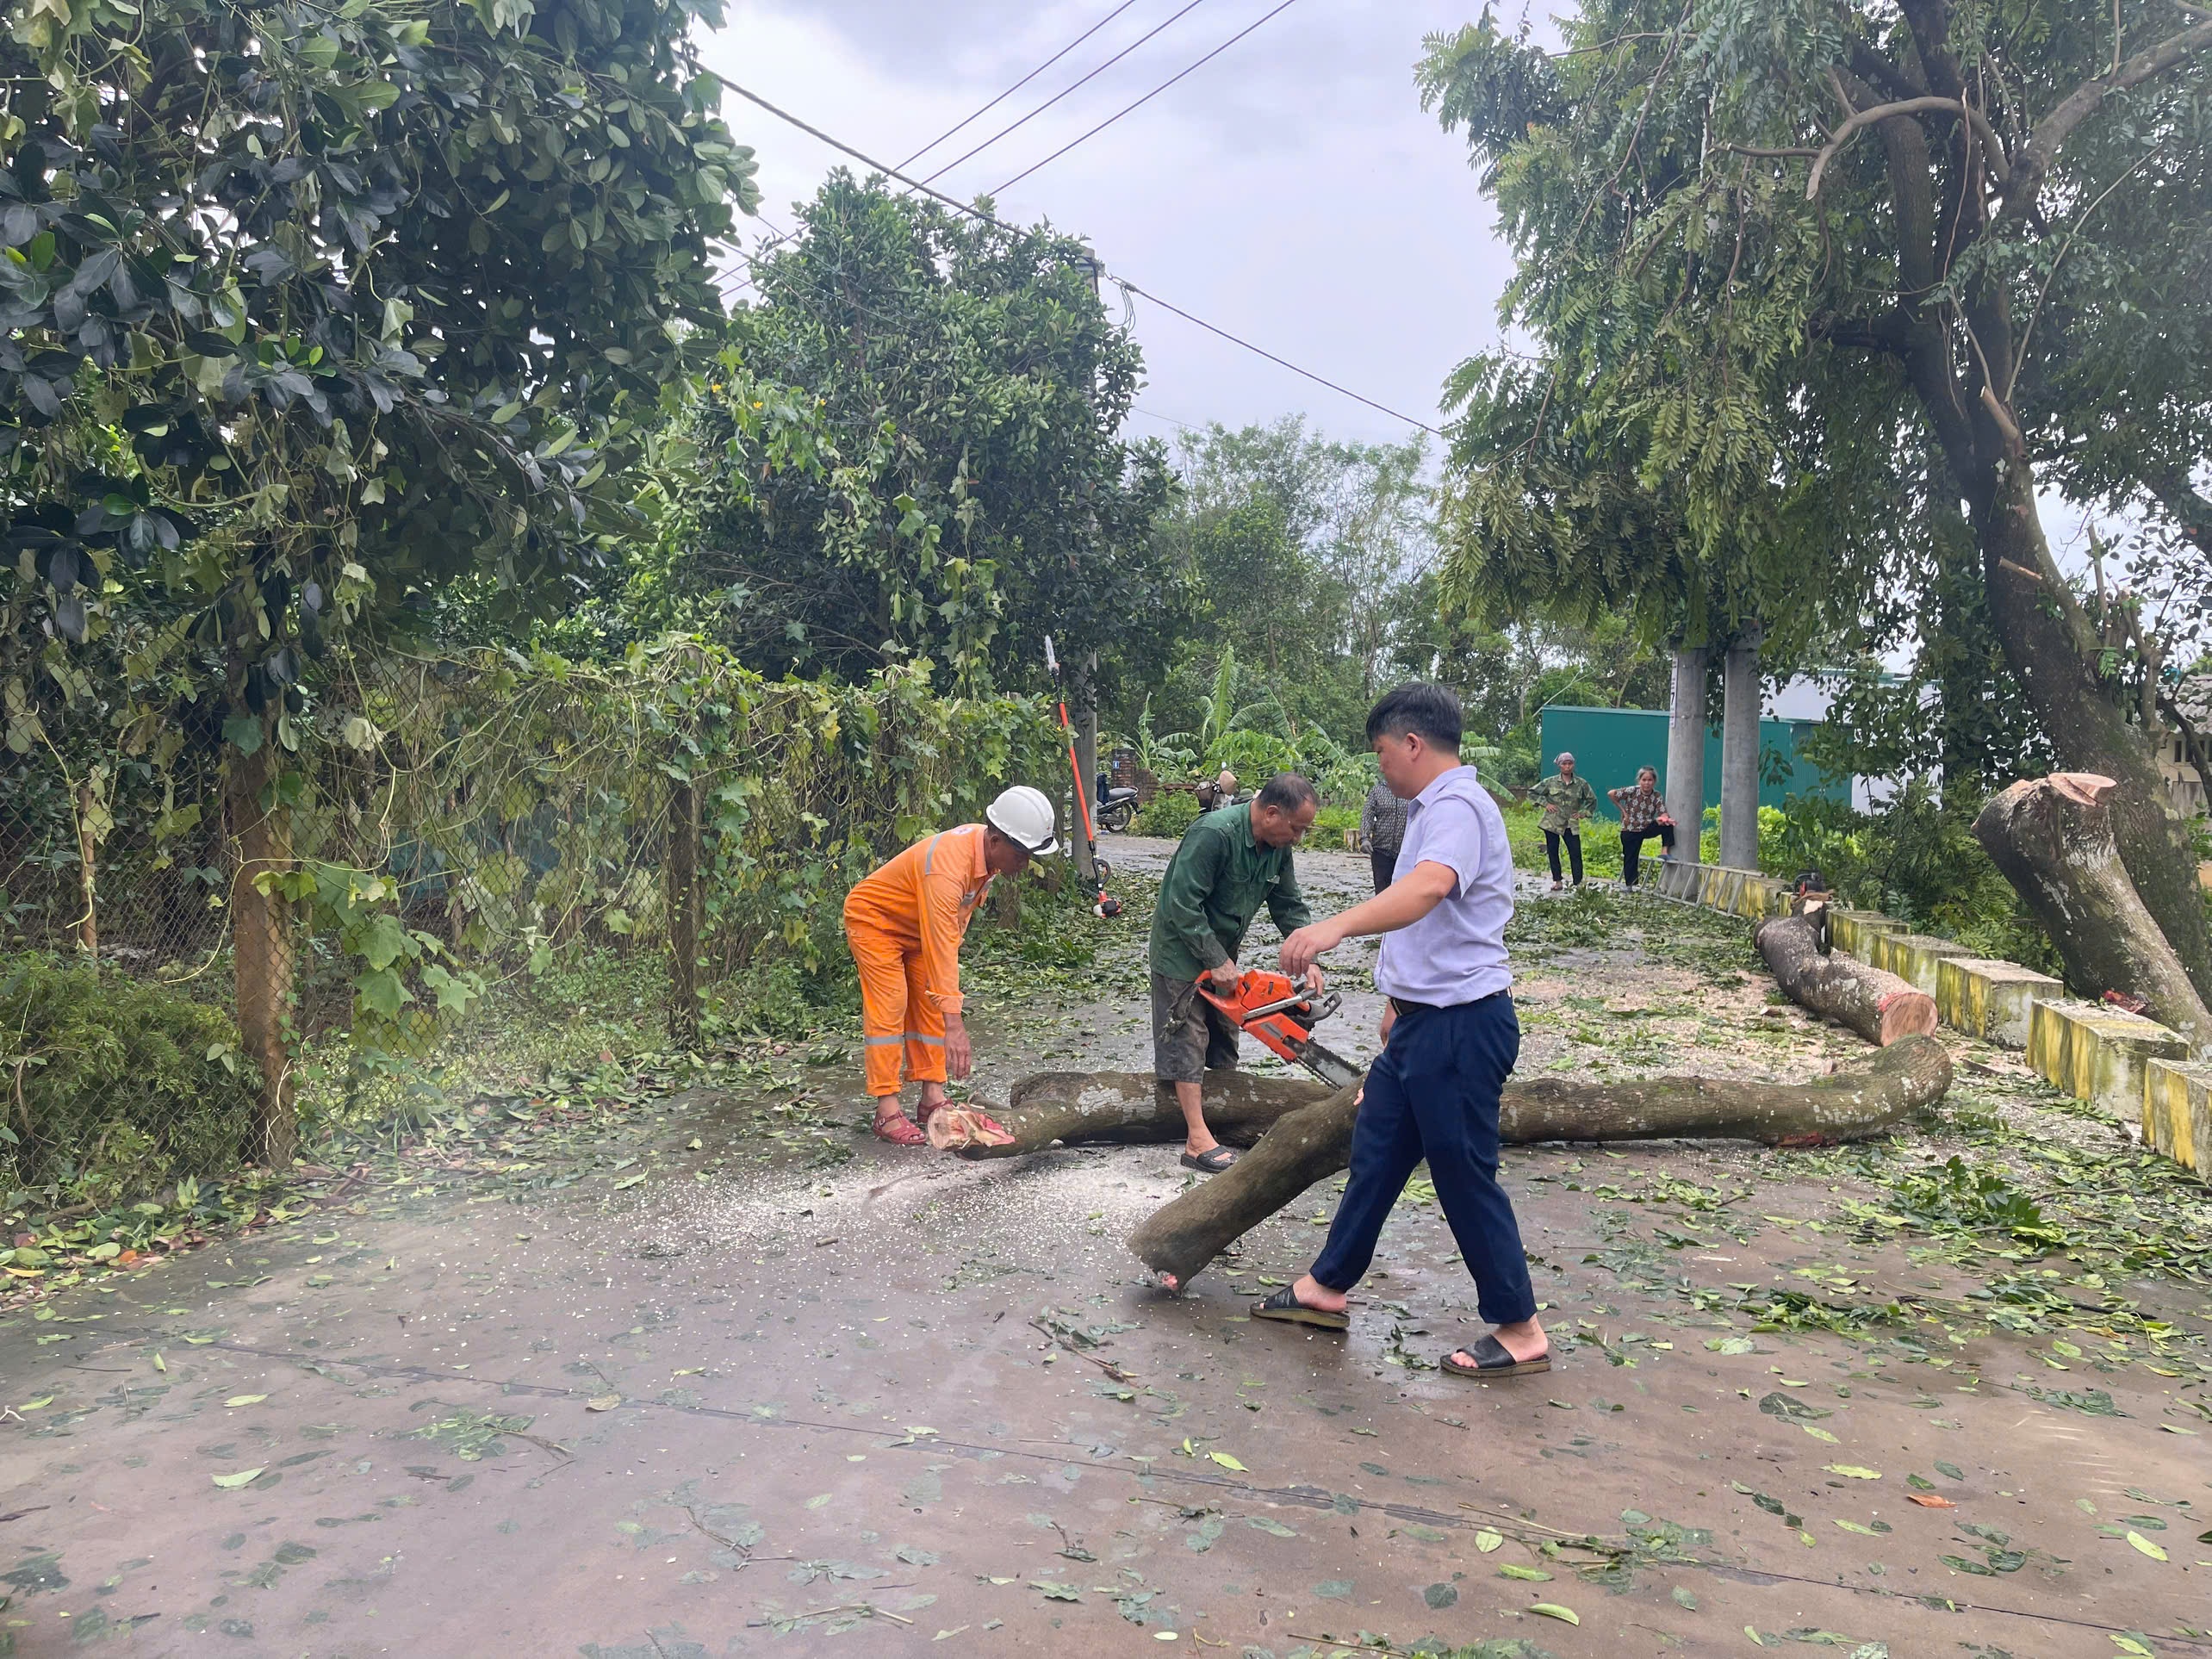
(1291, 191)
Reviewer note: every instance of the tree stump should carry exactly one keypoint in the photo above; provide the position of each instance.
(2053, 839)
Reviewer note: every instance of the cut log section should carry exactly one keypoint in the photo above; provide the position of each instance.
(1879, 1006)
(2051, 837)
(1130, 1109)
(1314, 1141)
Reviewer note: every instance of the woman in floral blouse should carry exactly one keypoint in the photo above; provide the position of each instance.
(1643, 815)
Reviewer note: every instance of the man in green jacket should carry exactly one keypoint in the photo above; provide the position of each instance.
(1232, 860)
(1566, 799)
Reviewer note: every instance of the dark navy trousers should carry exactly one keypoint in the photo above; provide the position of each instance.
(1433, 1093)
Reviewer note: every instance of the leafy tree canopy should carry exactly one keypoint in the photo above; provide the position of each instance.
(1794, 269)
(309, 310)
(910, 452)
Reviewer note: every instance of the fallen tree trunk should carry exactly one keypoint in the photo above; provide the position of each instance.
(2052, 838)
(1314, 1142)
(1130, 1109)
(1879, 1006)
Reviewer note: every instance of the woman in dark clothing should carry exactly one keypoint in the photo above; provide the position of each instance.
(1643, 815)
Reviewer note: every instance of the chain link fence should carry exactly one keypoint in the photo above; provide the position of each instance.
(373, 880)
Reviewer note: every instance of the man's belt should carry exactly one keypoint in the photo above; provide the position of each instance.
(1402, 1007)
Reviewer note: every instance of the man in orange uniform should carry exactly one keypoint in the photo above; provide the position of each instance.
(904, 924)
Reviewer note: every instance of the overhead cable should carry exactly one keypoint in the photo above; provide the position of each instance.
(1147, 98)
(1024, 121)
(1126, 286)
(1019, 84)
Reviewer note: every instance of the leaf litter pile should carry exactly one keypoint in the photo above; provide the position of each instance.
(1808, 1401)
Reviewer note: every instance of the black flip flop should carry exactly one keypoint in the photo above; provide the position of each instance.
(1285, 1306)
(1491, 1359)
(1212, 1161)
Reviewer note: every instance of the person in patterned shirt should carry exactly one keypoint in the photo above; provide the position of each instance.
(1566, 799)
(1643, 815)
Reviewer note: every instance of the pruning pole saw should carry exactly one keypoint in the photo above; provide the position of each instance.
(1104, 903)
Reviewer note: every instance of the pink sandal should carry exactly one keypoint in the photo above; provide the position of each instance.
(900, 1130)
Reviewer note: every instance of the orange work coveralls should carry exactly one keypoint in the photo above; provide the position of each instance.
(904, 924)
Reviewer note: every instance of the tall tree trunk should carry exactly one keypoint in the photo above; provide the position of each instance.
(2045, 636)
(2052, 838)
(262, 943)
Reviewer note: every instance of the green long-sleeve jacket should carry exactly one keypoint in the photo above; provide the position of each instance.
(1565, 801)
(1215, 884)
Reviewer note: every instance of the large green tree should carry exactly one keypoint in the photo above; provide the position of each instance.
(1780, 257)
(1298, 550)
(911, 451)
(311, 309)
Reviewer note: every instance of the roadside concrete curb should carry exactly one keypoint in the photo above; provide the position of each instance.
(2123, 1064)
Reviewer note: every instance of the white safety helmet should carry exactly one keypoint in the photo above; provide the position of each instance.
(1024, 816)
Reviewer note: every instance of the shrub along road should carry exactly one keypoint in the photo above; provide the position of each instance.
(527, 1402)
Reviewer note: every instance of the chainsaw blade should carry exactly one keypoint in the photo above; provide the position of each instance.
(1326, 1064)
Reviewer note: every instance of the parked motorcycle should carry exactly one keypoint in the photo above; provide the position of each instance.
(1116, 807)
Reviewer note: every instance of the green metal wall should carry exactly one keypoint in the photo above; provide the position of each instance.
(1609, 744)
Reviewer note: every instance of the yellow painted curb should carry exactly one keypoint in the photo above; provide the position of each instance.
(1913, 956)
(2097, 1053)
(1991, 999)
(1854, 931)
(2177, 1113)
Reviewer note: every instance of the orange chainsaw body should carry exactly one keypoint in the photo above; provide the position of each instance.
(1274, 1008)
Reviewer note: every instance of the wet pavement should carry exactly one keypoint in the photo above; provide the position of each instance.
(917, 1405)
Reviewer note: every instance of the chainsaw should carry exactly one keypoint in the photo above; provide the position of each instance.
(1283, 1016)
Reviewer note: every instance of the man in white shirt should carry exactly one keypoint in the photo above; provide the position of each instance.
(1450, 1036)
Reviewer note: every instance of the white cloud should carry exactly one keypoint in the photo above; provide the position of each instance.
(1291, 191)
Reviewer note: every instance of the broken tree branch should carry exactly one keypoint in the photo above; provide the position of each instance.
(1131, 1109)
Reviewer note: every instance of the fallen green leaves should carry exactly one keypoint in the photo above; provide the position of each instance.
(470, 1434)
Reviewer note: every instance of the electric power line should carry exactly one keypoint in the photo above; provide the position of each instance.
(1062, 92)
(1154, 415)
(1126, 286)
(1147, 98)
(1019, 84)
